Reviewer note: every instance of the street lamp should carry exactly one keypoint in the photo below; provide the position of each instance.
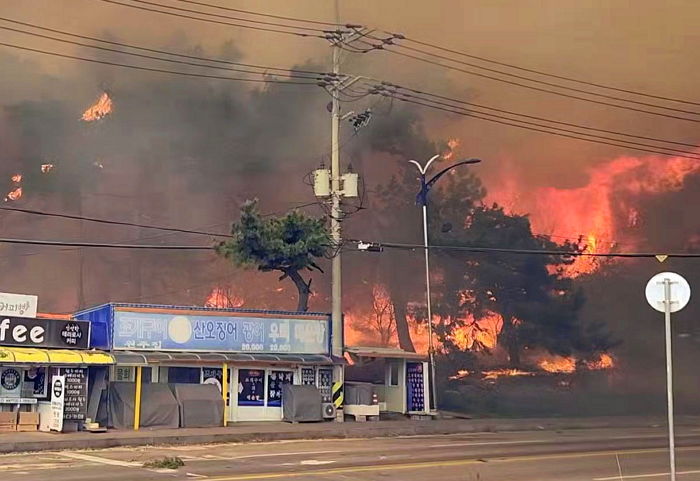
(422, 200)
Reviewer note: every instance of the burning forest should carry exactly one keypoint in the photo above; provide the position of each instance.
(187, 151)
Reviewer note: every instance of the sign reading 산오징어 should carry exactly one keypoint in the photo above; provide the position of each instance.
(169, 332)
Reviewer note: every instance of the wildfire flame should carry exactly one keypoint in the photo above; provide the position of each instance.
(46, 168)
(452, 145)
(17, 178)
(495, 374)
(478, 334)
(99, 109)
(591, 213)
(558, 364)
(222, 297)
(14, 194)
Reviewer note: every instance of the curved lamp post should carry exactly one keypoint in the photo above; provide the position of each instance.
(422, 200)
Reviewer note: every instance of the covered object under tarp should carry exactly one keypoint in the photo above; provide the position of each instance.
(301, 403)
(159, 408)
(200, 405)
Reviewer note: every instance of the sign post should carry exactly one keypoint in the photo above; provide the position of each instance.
(58, 389)
(668, 292)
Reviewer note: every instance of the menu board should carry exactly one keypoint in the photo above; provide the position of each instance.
(275, 381)
(75, 404)
(251, 386)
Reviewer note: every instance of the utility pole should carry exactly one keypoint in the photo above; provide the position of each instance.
(336, 266)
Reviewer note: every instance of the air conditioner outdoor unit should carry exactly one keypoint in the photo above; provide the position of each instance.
(328, 410)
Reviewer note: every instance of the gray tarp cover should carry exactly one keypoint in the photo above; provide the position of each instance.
(201, 405)
(301, 403)
(358, 393)
(159, 408)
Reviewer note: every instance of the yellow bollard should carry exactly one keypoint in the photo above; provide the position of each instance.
(137, 399)
(224, 391)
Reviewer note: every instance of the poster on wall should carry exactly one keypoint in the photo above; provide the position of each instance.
(251, 387)
(35, 383)
(325, 381)
(75, 397)
(58, 385)
(214, 375)
(415, 387)
(275, 381)
(308, 376)
(149, 331)
(11, 382)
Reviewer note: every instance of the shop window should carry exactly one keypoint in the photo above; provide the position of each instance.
(393, 374)
(251, 386)
(308, 376)
(275, 381)
(184, 375)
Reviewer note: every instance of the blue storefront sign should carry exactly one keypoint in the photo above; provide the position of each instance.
(176, 332)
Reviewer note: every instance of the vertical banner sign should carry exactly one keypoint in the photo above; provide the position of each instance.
(58, 388)
(75, 402)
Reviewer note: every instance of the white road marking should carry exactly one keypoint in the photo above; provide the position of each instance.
(640, 476)
(194, 475)
(490, 443)
(99, 460)
(315, 462)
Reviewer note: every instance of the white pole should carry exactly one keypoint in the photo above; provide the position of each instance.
(669, 377)
(431, 357)
(336, 289)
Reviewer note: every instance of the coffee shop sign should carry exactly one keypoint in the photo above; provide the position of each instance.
(18, 305)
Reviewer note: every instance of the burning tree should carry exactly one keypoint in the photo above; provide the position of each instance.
(539, 305)
(289, 244)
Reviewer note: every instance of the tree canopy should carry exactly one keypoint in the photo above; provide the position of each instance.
(290, 243)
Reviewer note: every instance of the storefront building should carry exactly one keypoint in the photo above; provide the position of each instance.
(248, 355)
(33, 351)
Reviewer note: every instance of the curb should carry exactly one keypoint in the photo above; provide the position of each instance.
(346, 430)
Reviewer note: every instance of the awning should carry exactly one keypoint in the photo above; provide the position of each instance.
(27, 355)
(138, 358)
(383, 352)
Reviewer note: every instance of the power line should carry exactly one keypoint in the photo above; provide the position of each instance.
(547, 74)
(112, 222)
(552, 132)
(208, 20)
(546, 252)
(158, 70)
(108, 245)
(539, 89)
(162, 59)
(486, 107)
(249, 12)
(165, 52)
(691, 155)
(549, 84)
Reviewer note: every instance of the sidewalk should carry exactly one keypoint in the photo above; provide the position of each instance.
(279, 431)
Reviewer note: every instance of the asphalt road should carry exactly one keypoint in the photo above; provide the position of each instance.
(576, 455)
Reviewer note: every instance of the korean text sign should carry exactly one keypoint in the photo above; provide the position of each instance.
(174, 332)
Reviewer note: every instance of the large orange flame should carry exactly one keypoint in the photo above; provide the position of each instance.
(592, 213)
(99, 109)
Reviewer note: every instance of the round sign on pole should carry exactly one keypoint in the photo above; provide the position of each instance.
(680, 291)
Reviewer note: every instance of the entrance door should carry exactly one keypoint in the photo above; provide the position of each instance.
(259, 393)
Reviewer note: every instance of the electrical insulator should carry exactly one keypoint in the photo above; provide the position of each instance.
(322, 182)
(349, 184)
